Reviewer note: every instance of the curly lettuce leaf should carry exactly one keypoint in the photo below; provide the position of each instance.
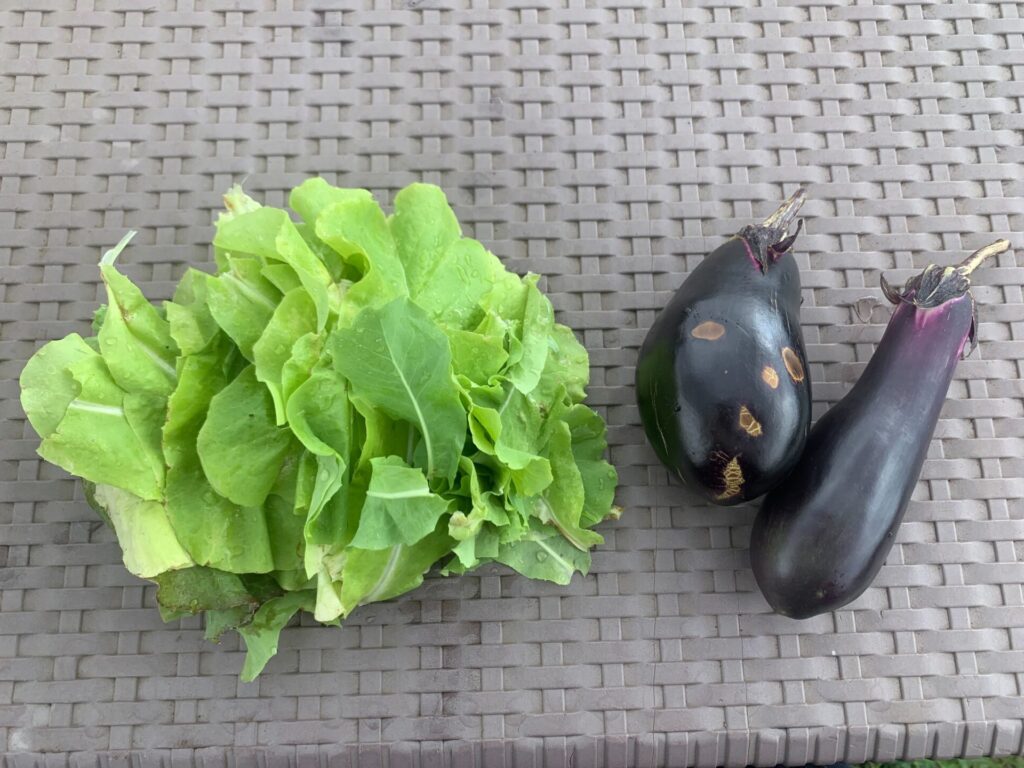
(537, 322)
(543, 554)
(47, 386)
(477, 357)
(313, 196)
(357, 229)
(148, 543)
(561, 504)
(484, 505)
(399, 507)
(242, 301)
(268, 233)
(566, 368)
(373, 575)
(207, 524)
(320, 415)
(293, 319)
(190, 321)
(262, 634)
(507, 424)
(396, 358)
(587, 430)
(134, 339)
(240, 446)
(101, 433)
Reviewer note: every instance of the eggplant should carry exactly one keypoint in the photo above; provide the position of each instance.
(721, 381)
(821, 537)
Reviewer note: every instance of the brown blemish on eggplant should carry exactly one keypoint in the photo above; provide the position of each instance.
(793, 364)
(732, 479)
(770, 377)
(748, 423)
(709, 330)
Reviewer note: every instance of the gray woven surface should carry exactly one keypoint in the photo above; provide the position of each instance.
(606, 148)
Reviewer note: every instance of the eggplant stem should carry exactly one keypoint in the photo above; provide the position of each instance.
(973, 261)
(786, 212)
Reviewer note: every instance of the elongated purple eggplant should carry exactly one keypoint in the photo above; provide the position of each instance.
(721, 382)
(822, 535)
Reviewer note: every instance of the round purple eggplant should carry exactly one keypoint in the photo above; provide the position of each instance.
(721, 380)
(822, 535)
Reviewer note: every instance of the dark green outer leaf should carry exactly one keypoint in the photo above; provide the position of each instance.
(201, 589)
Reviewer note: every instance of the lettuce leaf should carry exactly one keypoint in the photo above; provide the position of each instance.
(399, 507)
(134, 339)
(239, 445)
(398, 359)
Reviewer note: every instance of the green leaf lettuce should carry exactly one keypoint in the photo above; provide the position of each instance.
(350, 400)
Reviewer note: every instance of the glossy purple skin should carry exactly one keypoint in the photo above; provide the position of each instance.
(690, 390)
(821, 537)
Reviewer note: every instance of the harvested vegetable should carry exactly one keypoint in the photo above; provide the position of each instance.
(824, 533)
(349, 401)
(721, 380)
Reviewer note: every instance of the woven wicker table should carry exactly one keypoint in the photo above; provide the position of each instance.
(607, 146)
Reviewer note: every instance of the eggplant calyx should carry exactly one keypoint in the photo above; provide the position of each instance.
(784, 245)
(771, 238)
(972, 334)
(936, 285)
